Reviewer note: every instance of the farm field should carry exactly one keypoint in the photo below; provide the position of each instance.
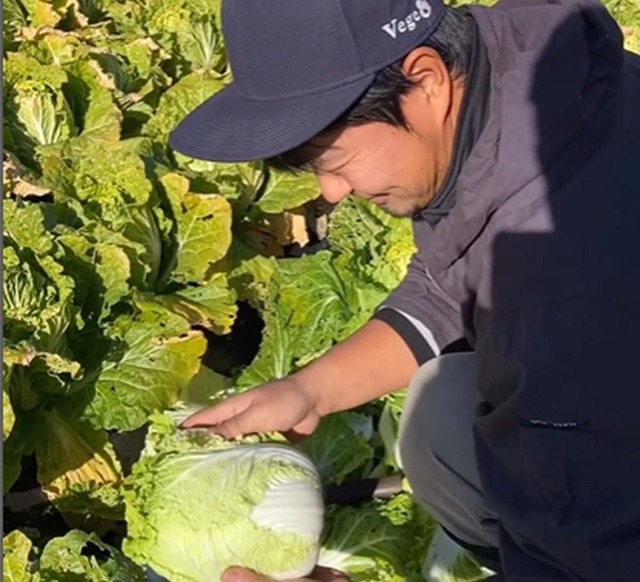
(138, 282)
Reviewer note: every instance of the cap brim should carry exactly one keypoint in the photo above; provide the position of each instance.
(231, 128)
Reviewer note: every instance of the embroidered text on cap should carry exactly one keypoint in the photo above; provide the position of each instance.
(409, 22)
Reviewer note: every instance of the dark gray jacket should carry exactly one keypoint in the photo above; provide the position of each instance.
(537, 266)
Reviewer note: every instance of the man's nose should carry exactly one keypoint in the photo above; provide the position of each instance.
(333, 188)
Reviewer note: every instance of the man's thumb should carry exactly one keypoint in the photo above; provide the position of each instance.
(235, 574)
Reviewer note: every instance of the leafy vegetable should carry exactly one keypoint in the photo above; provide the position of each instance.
(193, 513)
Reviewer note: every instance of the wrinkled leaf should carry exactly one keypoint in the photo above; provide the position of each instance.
(203, 229)
(155, 355)
(77, 467)
(83, 557)
(16, 548)
(285, 191)
(339, 447)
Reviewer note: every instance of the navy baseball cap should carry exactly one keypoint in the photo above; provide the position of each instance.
(297, 66)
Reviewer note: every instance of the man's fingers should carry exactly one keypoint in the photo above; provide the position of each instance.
(248, 421)
(242, 575)
(219, 413)
(235, 574)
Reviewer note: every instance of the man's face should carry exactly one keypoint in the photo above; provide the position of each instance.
(397, 169)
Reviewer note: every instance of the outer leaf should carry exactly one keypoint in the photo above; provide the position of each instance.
(338, 448)
(154, 358)
(206, 388)
(101, 119)
(82, 557)
(77, 466)
(114, 269)
(370, 244)
(16, 548)
(203, 229)
(325, 303)
(12, 20)
(276, 357)
(25, 225)
(285, 191)
(36, 109)
(38, 301)
(309, 307)
(377, 542)
(211, 305)
(109, 187)
(251, 279)
(105, 270)
(46, 376)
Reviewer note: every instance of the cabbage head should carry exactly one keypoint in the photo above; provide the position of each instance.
(191, 514)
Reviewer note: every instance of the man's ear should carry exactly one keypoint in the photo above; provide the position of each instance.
(424, 67)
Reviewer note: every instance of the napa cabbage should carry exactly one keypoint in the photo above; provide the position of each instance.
(198, 505)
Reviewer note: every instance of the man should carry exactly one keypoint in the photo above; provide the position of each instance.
(511, 136)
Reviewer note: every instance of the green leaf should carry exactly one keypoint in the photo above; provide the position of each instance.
(327, 305)
(42, 13)
(155, 355)
(106, 264)
(83, 557)
(370, 244)
(54, 47)
(188, 31)
(96, 112)
(285, 191)
(42, 378)
(24, 224)
(212, 305)
(203, 229)
(276, 357)
(110, 187)
(339, 447)
(13, 19)
(16, 548)
(377, 541)
(309, 307)
(206, 388)
(38, 301)
(251, 278)
(37, 112)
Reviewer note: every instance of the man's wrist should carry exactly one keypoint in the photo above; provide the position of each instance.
(305, 381)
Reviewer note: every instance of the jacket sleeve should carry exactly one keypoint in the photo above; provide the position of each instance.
(558, 439)
(420, 312)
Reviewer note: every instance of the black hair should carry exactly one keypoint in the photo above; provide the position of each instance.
(452, 40)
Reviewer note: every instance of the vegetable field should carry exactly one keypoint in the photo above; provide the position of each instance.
(137, 281)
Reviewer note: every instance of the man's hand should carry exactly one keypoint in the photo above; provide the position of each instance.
(372, 362)
(283, 406)
(318, 575)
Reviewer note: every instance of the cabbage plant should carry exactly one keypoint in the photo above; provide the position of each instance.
(193, 513)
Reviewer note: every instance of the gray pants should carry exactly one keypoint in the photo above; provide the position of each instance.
(436, 448)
